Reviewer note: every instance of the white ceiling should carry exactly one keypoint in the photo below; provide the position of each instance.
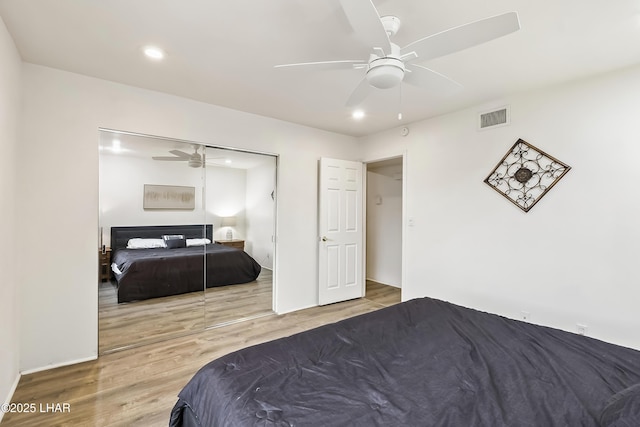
(223, 52)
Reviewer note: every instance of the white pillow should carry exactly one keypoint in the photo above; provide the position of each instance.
(138, 243)
(197, 242)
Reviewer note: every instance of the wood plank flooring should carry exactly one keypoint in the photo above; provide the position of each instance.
(158, 319)
(138, 386)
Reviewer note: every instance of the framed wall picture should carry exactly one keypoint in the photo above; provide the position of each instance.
(171, 197)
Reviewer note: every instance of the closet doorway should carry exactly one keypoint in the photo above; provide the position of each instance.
(232, 196)
(384, 229)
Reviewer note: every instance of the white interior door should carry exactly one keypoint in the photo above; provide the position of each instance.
(340, 229)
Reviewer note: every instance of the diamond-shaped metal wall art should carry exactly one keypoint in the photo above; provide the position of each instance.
(525, 174)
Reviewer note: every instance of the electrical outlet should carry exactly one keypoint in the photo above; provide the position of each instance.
(581, 328)
(525, 315)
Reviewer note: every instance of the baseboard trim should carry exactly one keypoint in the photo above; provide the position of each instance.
(11, 392)
(59, 365)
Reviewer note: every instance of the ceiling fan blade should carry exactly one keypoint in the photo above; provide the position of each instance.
(329, 65)
(462, 37)
(359, 94)
(177, 156)
(169, 158)
(433, 81)
(365, 20)
(180, 153)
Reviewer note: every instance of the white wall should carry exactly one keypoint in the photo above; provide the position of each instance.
(573, 257)
(260, 213)
(226, 196)
(10, 99)
(384, 225)
(122, 179)
(58, 197)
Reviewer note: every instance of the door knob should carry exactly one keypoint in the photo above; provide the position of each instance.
(324, 238)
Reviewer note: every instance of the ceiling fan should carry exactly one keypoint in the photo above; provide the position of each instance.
(388, 64)
(195, 160)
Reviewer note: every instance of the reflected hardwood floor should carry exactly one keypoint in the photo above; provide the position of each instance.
(158, 319)
(138, 386)
(226, 304)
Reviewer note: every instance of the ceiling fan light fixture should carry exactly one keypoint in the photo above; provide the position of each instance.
(195, 161)
(385, 73)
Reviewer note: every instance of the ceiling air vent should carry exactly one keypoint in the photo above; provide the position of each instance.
(493, 118)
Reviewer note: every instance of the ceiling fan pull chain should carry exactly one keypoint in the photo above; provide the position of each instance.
(400, 102)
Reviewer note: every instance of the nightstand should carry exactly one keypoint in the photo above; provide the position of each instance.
(104, 271)
(234, 243)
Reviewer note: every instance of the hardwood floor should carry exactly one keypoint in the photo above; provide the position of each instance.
(382, 294)
(143, 322)
(138, 386)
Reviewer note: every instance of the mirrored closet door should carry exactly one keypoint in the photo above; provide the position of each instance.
(187, 238)
(240, 203)
(149, 192)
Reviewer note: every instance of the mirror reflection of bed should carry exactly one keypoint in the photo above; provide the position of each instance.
(227, 184)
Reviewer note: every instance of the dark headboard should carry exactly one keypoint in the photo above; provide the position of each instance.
(121, 235)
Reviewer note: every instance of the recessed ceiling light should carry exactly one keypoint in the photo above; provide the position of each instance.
(115, 147)
(358, 114)
(153, 52)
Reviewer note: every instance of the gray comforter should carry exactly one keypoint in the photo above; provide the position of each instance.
(152, 273)
(424, 362)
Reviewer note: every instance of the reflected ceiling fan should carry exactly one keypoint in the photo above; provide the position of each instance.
(389, 65)
(194, 160)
